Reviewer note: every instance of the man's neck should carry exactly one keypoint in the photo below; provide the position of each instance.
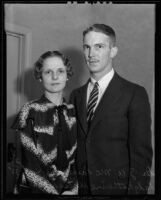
(98, 76)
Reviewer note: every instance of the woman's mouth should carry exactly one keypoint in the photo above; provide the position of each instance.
(55, 84)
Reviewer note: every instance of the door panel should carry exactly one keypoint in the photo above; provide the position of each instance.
(17, 59)
(13, 68)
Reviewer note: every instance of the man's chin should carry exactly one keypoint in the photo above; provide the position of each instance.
(93, 64)
(93, 67)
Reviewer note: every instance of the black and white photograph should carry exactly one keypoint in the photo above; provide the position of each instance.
(80, 99)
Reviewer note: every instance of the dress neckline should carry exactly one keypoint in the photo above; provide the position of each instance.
(44, 99)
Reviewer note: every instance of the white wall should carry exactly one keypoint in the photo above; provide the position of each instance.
(60, 26)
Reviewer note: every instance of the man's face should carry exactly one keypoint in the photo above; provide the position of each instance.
(98, 53)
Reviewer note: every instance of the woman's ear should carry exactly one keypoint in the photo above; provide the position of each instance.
(114, 51)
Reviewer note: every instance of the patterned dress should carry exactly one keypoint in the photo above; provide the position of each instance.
(48, 140)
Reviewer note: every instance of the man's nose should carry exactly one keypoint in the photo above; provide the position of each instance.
(91, 53)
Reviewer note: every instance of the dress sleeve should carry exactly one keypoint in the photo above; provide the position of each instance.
(21, 186)
(20, 124)
(20, 121)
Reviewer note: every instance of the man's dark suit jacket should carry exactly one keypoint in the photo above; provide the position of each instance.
(117, 145)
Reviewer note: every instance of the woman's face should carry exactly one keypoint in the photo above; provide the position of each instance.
(54, 74)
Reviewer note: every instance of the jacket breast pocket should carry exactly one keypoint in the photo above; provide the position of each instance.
(115, 117)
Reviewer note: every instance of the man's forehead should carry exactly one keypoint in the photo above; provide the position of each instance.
(96, 37)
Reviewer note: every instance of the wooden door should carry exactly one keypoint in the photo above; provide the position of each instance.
(18, 46)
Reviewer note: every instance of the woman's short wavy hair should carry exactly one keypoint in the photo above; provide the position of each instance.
(38, 65)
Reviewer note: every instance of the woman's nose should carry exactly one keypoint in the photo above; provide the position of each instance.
(54, 76)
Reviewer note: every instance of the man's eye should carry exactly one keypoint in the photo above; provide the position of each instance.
(86, 47)
(99, 46)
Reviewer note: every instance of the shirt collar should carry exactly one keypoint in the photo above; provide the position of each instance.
(104, 81)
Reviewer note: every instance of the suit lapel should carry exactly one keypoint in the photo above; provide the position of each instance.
(81, 107)
(111, 94)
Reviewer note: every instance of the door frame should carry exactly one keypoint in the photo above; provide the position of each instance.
(25, 36)
(26, 32)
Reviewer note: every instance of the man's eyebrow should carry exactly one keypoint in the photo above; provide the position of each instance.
(85, 45)
(100, 43)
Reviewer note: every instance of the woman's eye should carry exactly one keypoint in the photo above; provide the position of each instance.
(61, 70)
(47, 72)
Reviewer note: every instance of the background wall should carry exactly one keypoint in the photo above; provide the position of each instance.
(60, 27)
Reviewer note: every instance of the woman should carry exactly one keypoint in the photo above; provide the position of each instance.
(47, 129)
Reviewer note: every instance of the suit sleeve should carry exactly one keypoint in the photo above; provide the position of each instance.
(140, 149)
(72, 98)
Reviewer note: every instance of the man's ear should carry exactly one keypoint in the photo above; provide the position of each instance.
(114, 51)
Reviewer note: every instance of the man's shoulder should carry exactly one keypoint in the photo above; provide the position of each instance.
(80, 89)
(135, 90)
(129, 84)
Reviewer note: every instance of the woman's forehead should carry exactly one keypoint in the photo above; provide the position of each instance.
(53, 59)
(53, 62)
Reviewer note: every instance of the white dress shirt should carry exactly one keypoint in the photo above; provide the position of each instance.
(103, 84)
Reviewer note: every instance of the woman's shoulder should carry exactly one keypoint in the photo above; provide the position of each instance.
(40, 104)
(30, 104)
(24, 113)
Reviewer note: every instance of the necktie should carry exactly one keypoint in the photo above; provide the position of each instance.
(92, 102)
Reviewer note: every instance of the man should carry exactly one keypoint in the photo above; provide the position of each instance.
(114, 135)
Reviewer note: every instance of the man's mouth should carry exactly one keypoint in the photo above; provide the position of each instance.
(93, 61)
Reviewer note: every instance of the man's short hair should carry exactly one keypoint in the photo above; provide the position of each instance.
(107, 30)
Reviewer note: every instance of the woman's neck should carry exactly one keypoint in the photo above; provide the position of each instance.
(55, 98)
